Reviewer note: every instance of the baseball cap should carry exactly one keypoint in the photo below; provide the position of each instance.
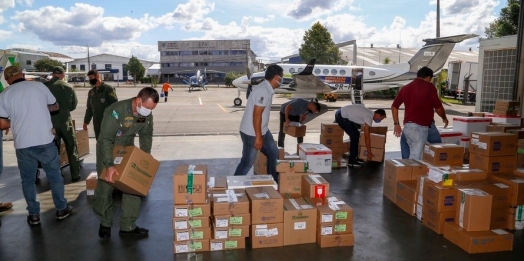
(58, 70)
(12, 71)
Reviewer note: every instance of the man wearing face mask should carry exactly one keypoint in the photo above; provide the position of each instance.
(295, 110)
(98, 99)
(350, 118)
(254, 129)
(120, 124)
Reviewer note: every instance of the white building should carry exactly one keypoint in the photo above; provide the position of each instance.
(111, 67)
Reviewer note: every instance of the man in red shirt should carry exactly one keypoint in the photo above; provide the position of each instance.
(420, 101)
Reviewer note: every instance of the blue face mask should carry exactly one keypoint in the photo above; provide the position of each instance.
(377, 120)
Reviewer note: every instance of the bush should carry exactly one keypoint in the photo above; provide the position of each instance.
(230, 76)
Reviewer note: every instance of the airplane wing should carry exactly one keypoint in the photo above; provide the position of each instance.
(306, 81)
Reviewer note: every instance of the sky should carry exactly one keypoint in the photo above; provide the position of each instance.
(275, 27)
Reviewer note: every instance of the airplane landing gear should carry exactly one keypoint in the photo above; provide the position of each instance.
(237, 102)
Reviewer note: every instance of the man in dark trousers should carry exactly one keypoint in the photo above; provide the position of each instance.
(350, 118)
(295, 110)
(62, 122)
(98, 99)
(121, 122)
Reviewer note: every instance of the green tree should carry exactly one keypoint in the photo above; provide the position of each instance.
(318, 44)
(230, 76)
(507, 23)
(387, 60)
(46, 64)
(136, 69)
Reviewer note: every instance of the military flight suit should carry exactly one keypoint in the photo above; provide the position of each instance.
(62, 122)
(98, 99)
(119, 128)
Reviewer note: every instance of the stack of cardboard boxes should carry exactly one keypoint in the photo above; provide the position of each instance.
(378, 143)
(267, 217)
(231, 219)
(493, 152)
(82, 141)
(290, 176)
(192, 209)
(260, 165)
(506, 108)
(332, 136)
(335, 223)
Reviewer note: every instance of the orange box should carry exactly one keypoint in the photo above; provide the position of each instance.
(231, 232)
(435, 220)
(406, 205)
(332, 211)
(314, 186)
(499, 219)
(331, 141)
(191, 223)
(478, 241)
(331, 129)
(290, 182)
(267, 235)
(222, 221)
(195, 210)
(493, 164)
(229, 201)
(300, 222)
(191, 246)
(439, 197)
(443, 154)
(407, 190)
(493, 143)
(336, 240)
(227, 244)
(516, 184)
(394, 171)
(192, 234)
(473, 210)
(197, 194)
(266, 205)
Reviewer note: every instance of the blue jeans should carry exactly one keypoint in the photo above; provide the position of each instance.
(249, 154)
(416, 137)
(433, 137)
(353, 131)
(28, 159)
(1, 152)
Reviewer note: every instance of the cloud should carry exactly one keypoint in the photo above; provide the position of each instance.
(306, 9)
(192, 11)
(261, 20)
(7, 4)
(4, 35)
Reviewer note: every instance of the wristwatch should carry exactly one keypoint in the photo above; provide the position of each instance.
(396, 123)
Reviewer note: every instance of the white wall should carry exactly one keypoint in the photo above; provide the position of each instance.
(103, 59)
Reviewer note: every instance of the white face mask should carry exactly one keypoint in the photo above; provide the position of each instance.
(281, 81)
(143, 110)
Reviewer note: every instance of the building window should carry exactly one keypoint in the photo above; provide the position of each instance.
(108, 66)
(184, 53)
(82, 67)
(73, 67)
(219, 52)
(203, 53)
(497, 77)
(219, 64)
(236, 64)
(234, 52)
(28, 62)
(187, 64)
(93, 66)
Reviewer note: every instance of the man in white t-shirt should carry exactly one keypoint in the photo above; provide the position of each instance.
(25, 108)
(350, 118)
(254, 129)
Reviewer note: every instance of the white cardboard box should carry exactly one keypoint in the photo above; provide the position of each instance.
(318, 156)
(242, 182)
(504, 119)
(467, 125)
(450, 136)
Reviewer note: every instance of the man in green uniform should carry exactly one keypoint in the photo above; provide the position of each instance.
(98, 99)
(121, 122)
(62, 123)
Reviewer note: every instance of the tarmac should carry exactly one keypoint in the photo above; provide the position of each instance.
(201, 127)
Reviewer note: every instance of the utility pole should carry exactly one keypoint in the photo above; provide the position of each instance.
(88, 59)
(438, 18)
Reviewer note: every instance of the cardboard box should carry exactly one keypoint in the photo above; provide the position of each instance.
(394, 171)
(281, 153)
(435, 220)
(195, 210)
(221, 221)
(516, 184)
(231, 232)
(295, 129)
(243, 182)
(336, 240)
(290, 182)
(260, 165)
(294, 156)
(337, 153)
(267, 235)
(266, 205)
(62, 155)
(314, 186)
(300, 222)
(137, 170)
(318, 156)
(407, 190)
(493, 165)
(443, 154)
(185, 223)
(191, 246)
(499, 219)
(347, 143)
(189, 184)
(478, 241)
(331, 129)
(438, 197)
(493, 144)
(441, 176)
(377, 140)
(502, 128)
(229, 202)
(500, 192)
(420, 189)
(91, 181)
(468, 174)
(381, 130)
(406, 205)
(335, 229)
(467, 125)
(332, 141)
(333, 211)
(505, 105)
(82, 141)
(227, 244)
(474, 209)
(418, 168)
(292, 166)
(192, 234)
(520, 160)
(217, 183)
(377, 153)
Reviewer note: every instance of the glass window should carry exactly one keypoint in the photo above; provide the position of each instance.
(342, 72)
(300, 69)
(28, 62)
(187, 64)
(291, 70)
(203, 53)
(93, 66)
(194, 53)
(108, 66)
(82, 67)
(334, 72)
(317, 71)
(325, 71)
(73, 67)
(185, 53)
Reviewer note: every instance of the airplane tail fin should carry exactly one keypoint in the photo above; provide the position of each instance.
(435, 52)
(309, 68)
(7, 59)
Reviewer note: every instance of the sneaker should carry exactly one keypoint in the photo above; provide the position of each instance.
(138, 231)
(33, 220)
(64, 213)
(354, 164)
(4, 206)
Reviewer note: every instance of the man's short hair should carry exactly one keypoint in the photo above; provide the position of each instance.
(317, 105)
(12, 71)
(273, 70)
(58, 70)
(148, 92)
(92, 72)
(381, 112)
(425, 72)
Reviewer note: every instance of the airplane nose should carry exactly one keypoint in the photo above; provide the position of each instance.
(237, 81)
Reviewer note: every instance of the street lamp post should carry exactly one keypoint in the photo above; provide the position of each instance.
(438, 18)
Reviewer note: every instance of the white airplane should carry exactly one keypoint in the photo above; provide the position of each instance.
(346, 78)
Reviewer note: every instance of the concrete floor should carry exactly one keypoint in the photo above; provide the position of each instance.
(382, 230)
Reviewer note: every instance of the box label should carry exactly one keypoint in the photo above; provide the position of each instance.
(235, 220)
(195, 223)
(181, 212)
(195, 246)
(326, 218)
(261, 232)
(182, 236)
(235, 232)
(231, 244)
(320, 191)
(180, 225)
(341, 215)
(221, 222)
(326, 231)
(340, 228)
(181, 248)
(221, 234)
(215, 246)
(300, 225)
(197, 235)
(195, 212)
